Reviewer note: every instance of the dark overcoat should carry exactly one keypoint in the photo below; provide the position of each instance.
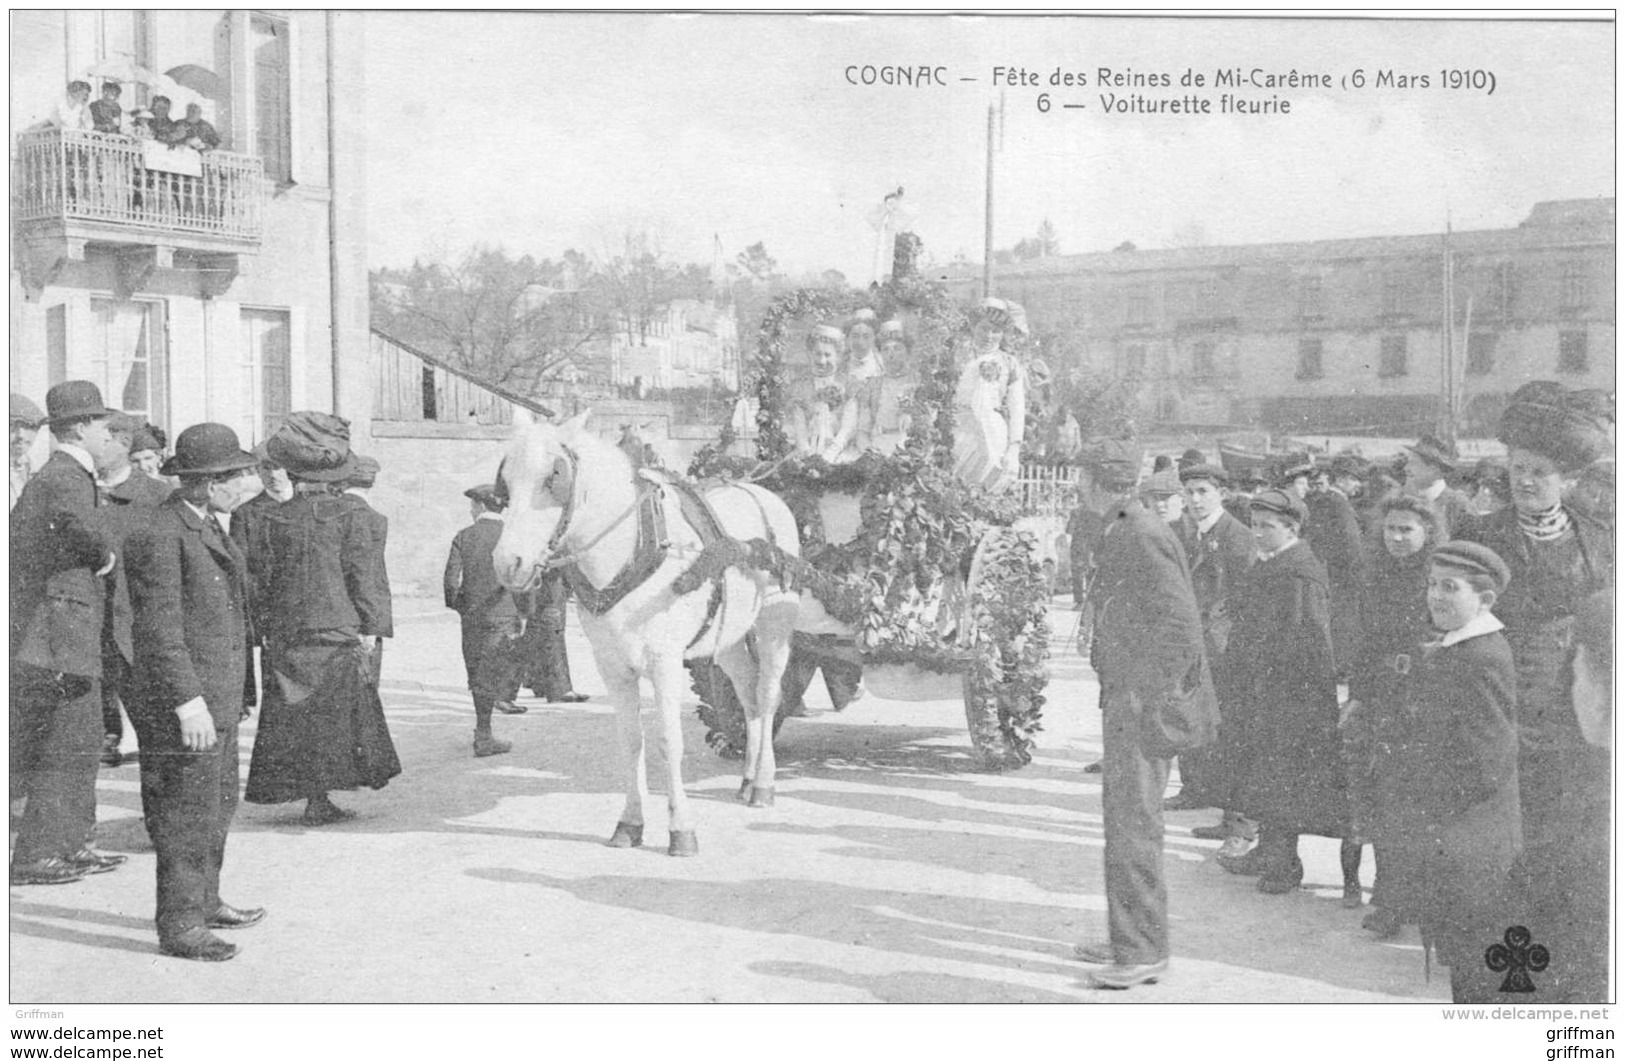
(322, 725)
(1455, 764)
(376, 526)
(1334, 536)
(1218, 559)
(1147, 633)
(189, 592)
(125, 508)
(1279, 711)
(57, 546)
(470, 583)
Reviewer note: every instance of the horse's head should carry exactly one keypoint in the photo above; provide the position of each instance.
(541, 472)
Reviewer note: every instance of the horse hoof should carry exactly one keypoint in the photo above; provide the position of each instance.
(744, 791)
(762, 796)
(626, 835)
(684, 844)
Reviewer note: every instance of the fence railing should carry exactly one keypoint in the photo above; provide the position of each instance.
(1046, 489)
(74, 174)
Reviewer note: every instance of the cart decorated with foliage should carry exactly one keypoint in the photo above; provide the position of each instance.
(923, 579)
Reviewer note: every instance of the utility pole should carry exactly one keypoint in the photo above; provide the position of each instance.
(1447, 331)
(987, 230)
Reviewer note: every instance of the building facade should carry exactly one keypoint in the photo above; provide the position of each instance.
(1334, 336)
(225, 285)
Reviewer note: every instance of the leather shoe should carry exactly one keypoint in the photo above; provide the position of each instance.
(326, 813)
(1092, 768)
(1095, 953)
(1181, 801)
(1120, 977)
(507, 707)
(1249, 865)
(485, 747)
(1220, 831)
(111, 756)
(89, 860)
(228, 916)
(198, 945)
(46, 871)
(1234, 848)
(573, 698)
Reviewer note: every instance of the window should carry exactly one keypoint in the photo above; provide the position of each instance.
(1392, 361)
(272, 92)
(1203, 362)
(1573, 291)
(1134, 362)
(1481, 354)
(1309, 359)
(1503, 290)
(1139, 306)
(266, 338)
(1310, 297)
(127, 357)
(1395, 296)
(1571, 352)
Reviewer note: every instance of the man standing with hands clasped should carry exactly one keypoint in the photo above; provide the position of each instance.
(1147, 638)
(189, 591)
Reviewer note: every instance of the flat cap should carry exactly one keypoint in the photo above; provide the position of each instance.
(1474, 558)
(1282, 504)
(487, 495)
(1435, 451)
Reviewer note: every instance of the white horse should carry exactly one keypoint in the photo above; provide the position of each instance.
(574, 501)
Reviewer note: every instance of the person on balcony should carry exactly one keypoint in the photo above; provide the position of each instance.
(198, 133)
(165, 129)
(141, 124)
(72, 110)
(106, 116)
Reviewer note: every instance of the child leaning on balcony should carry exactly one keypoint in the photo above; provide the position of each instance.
(1456, 758)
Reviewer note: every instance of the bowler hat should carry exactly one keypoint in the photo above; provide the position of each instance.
(1190, 457)
(146, 437)
(24, 411)
(207, 449)
(1474, 558)
(1282, 504)
(1211, 472)
(1435, 451)
(313, 446)
(487, 495)
(1348, 466)
(77, 399)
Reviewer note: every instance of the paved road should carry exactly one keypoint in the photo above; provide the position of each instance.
(890, 870)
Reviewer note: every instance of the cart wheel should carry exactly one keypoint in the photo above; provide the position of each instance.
(720, 709)
(987, 714)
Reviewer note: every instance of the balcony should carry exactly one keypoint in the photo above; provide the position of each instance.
(139, 200)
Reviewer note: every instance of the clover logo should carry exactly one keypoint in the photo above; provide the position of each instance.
(1517, 956)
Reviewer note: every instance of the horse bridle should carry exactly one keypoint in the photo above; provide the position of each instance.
(555, 558)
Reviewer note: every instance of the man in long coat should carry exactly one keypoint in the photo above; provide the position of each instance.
(128, 499)
(59, 557)
(1147, 638)
(491, 618)
(189, 590)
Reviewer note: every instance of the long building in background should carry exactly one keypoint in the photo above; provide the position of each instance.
(226, 285)
(1333, 336)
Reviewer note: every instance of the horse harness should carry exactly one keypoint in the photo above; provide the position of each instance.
(653, 543)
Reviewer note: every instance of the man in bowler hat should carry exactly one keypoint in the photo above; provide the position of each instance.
(1147, 638)
(189, 590)
(59, 556)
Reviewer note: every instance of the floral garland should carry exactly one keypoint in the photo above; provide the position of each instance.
(919, 523)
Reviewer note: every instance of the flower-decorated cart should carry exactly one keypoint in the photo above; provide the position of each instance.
(912, 565)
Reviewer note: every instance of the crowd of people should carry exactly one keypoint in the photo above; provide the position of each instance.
(144, 586)
(76, 110)
(1414, 658)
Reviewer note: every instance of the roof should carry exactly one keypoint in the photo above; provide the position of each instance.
(501, 392)
(1571, 221)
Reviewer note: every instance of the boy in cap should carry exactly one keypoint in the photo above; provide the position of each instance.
(492, 621)
(1455, 759)
(189, 590)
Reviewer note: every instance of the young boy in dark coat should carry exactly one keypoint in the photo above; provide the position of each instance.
(1456, 760)
(492, 619)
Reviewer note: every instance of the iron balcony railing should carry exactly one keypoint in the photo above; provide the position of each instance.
(105, 178)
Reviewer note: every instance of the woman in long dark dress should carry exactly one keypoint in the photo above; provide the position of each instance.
(321, 726)
(1393, 608)
(1280, 710)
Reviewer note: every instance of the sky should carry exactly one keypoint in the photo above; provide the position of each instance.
(541, 132)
